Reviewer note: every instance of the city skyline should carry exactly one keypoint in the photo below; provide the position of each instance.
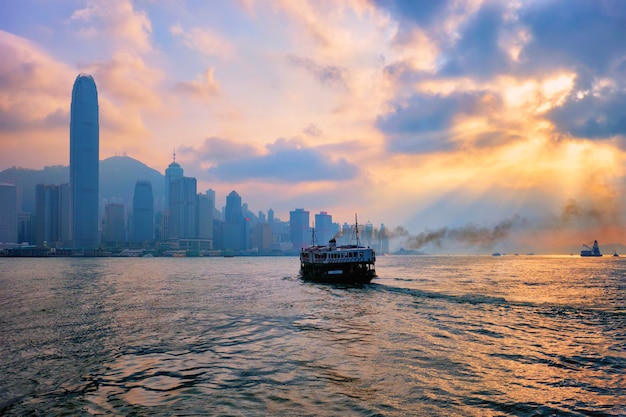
(470, 116)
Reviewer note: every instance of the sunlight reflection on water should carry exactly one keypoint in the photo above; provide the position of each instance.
(231, 336)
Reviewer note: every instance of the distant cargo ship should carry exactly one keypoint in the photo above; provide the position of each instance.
(593, 251)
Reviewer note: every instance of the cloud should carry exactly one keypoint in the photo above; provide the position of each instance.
(582, 34)
(116, 21)
(423, 123)
(128, 78)
(313, 131)
(204, 40)
(478, 52)
(215, 150)
(203, 87)
(329, 75)
(422, 13)
(286, 162)
(592, 116)
(32, 92)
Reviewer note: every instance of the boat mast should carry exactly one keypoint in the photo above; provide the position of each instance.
(313, 237)
(356, 228)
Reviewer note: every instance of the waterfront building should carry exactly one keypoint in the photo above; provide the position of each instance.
(165, 226)
(8, 213)
(368, 235)
(183, 208)
(52, 215)
(173, 171)
(84, 162)
(299, 228)
(384, 239)
(114, 225)
(143, 213)
(25, 227)
(233, 229)
(233, 213)
(323, 227)
(346, 234)
(205, 216)
(261, 236)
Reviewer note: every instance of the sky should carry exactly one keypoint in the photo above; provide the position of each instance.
(458, 124)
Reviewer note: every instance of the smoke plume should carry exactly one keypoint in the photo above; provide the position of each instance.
(471, 235)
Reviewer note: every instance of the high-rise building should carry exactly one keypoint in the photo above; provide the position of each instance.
(8, 213)
(368, 235)
(270, 216)
(233, 229)
(52, 215)
(299, 228)
(84, 162)
(233, 213)
(347, 233)
(114, 231)
(183, 208)
(173, 171)
(25, 227)
(205, 216)
(323, 227)
(143, 212)
(261, 236)
(384, 239)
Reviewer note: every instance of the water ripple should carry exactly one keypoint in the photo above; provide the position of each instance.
(462, 336)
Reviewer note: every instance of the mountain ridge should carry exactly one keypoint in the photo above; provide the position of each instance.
(118, 175)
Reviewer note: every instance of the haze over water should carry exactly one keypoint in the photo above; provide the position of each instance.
(467, 336)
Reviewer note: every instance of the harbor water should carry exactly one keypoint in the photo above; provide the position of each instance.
(243, 336)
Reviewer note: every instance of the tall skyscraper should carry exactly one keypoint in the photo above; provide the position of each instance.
(323, 227)
(368, 235)
(8, 213)
(84, 162)
(384, 239)
(114, 224)
(233, 212)
(205, 216)
(299, 231)
(52, 215)
(183, 208)
(233, 229)
(173, 171)
(143, 212)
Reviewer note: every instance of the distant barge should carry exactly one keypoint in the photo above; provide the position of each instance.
(591, 251)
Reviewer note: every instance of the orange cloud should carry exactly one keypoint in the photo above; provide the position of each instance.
(116, 21)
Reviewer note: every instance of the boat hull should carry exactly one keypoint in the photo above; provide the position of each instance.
(337, 273)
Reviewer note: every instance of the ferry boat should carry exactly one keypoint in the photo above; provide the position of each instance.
(332, 264)
(593, 251)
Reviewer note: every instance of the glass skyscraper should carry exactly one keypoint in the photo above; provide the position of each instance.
(84, 162)
(52, 215)
(299, 229)
(183, 208)
(143, 212)
(173, 171)
(323, 228)
(8, 213)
